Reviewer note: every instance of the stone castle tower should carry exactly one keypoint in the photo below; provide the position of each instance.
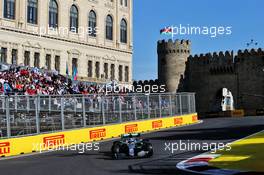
(172, 56)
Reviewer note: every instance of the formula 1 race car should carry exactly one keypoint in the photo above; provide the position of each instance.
(131, 146)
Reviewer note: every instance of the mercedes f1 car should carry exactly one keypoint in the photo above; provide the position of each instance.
(131, 146)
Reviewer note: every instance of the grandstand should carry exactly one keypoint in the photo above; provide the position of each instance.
(37, 101)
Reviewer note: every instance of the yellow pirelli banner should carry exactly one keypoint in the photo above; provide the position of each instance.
(238, 113)
(37, 143)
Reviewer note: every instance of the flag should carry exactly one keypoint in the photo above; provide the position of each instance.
(75, 74)
(166, 31)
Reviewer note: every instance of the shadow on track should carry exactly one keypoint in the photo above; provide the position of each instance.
(211, 133)
(108, 156)
(164, 165)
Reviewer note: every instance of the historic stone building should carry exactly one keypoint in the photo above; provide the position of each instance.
(93, 37)
(207, 74)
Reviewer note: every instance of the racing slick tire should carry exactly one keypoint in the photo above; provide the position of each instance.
(149, 149)
(116, 150)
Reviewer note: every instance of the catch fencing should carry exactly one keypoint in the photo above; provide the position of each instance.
(30, 115)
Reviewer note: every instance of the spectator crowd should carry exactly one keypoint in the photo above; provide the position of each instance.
(34, 81)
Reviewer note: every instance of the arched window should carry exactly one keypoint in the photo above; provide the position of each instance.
(74, 19)
(53, 14)
(123, 31)
(92, 23)
(9, 9)
(32, 11)
(109, 27)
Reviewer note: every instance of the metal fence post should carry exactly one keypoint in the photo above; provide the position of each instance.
(15, 102)
(120, 109)
(8, 129)
(103, 109)
(39, 108)
(189, 104)
(37, 114)
(176, 105)
(194, 103)
(49, 103)
(3, 102)
(135, 107)
(75, 105)
(160, 106)
(170, 104)
(84, 111)
(180, 96)
(28, 106)
(62, 114)
(148, 106)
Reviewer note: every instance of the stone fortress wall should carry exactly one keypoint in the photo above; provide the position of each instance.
(207, 74)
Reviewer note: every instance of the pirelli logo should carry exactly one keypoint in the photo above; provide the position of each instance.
(131, 128)
(156, 124)
(178, 121)
(56, 140)
(97, 133)
(194, 118)
(4, 148)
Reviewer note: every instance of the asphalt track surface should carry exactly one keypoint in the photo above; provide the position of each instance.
(218, 130)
